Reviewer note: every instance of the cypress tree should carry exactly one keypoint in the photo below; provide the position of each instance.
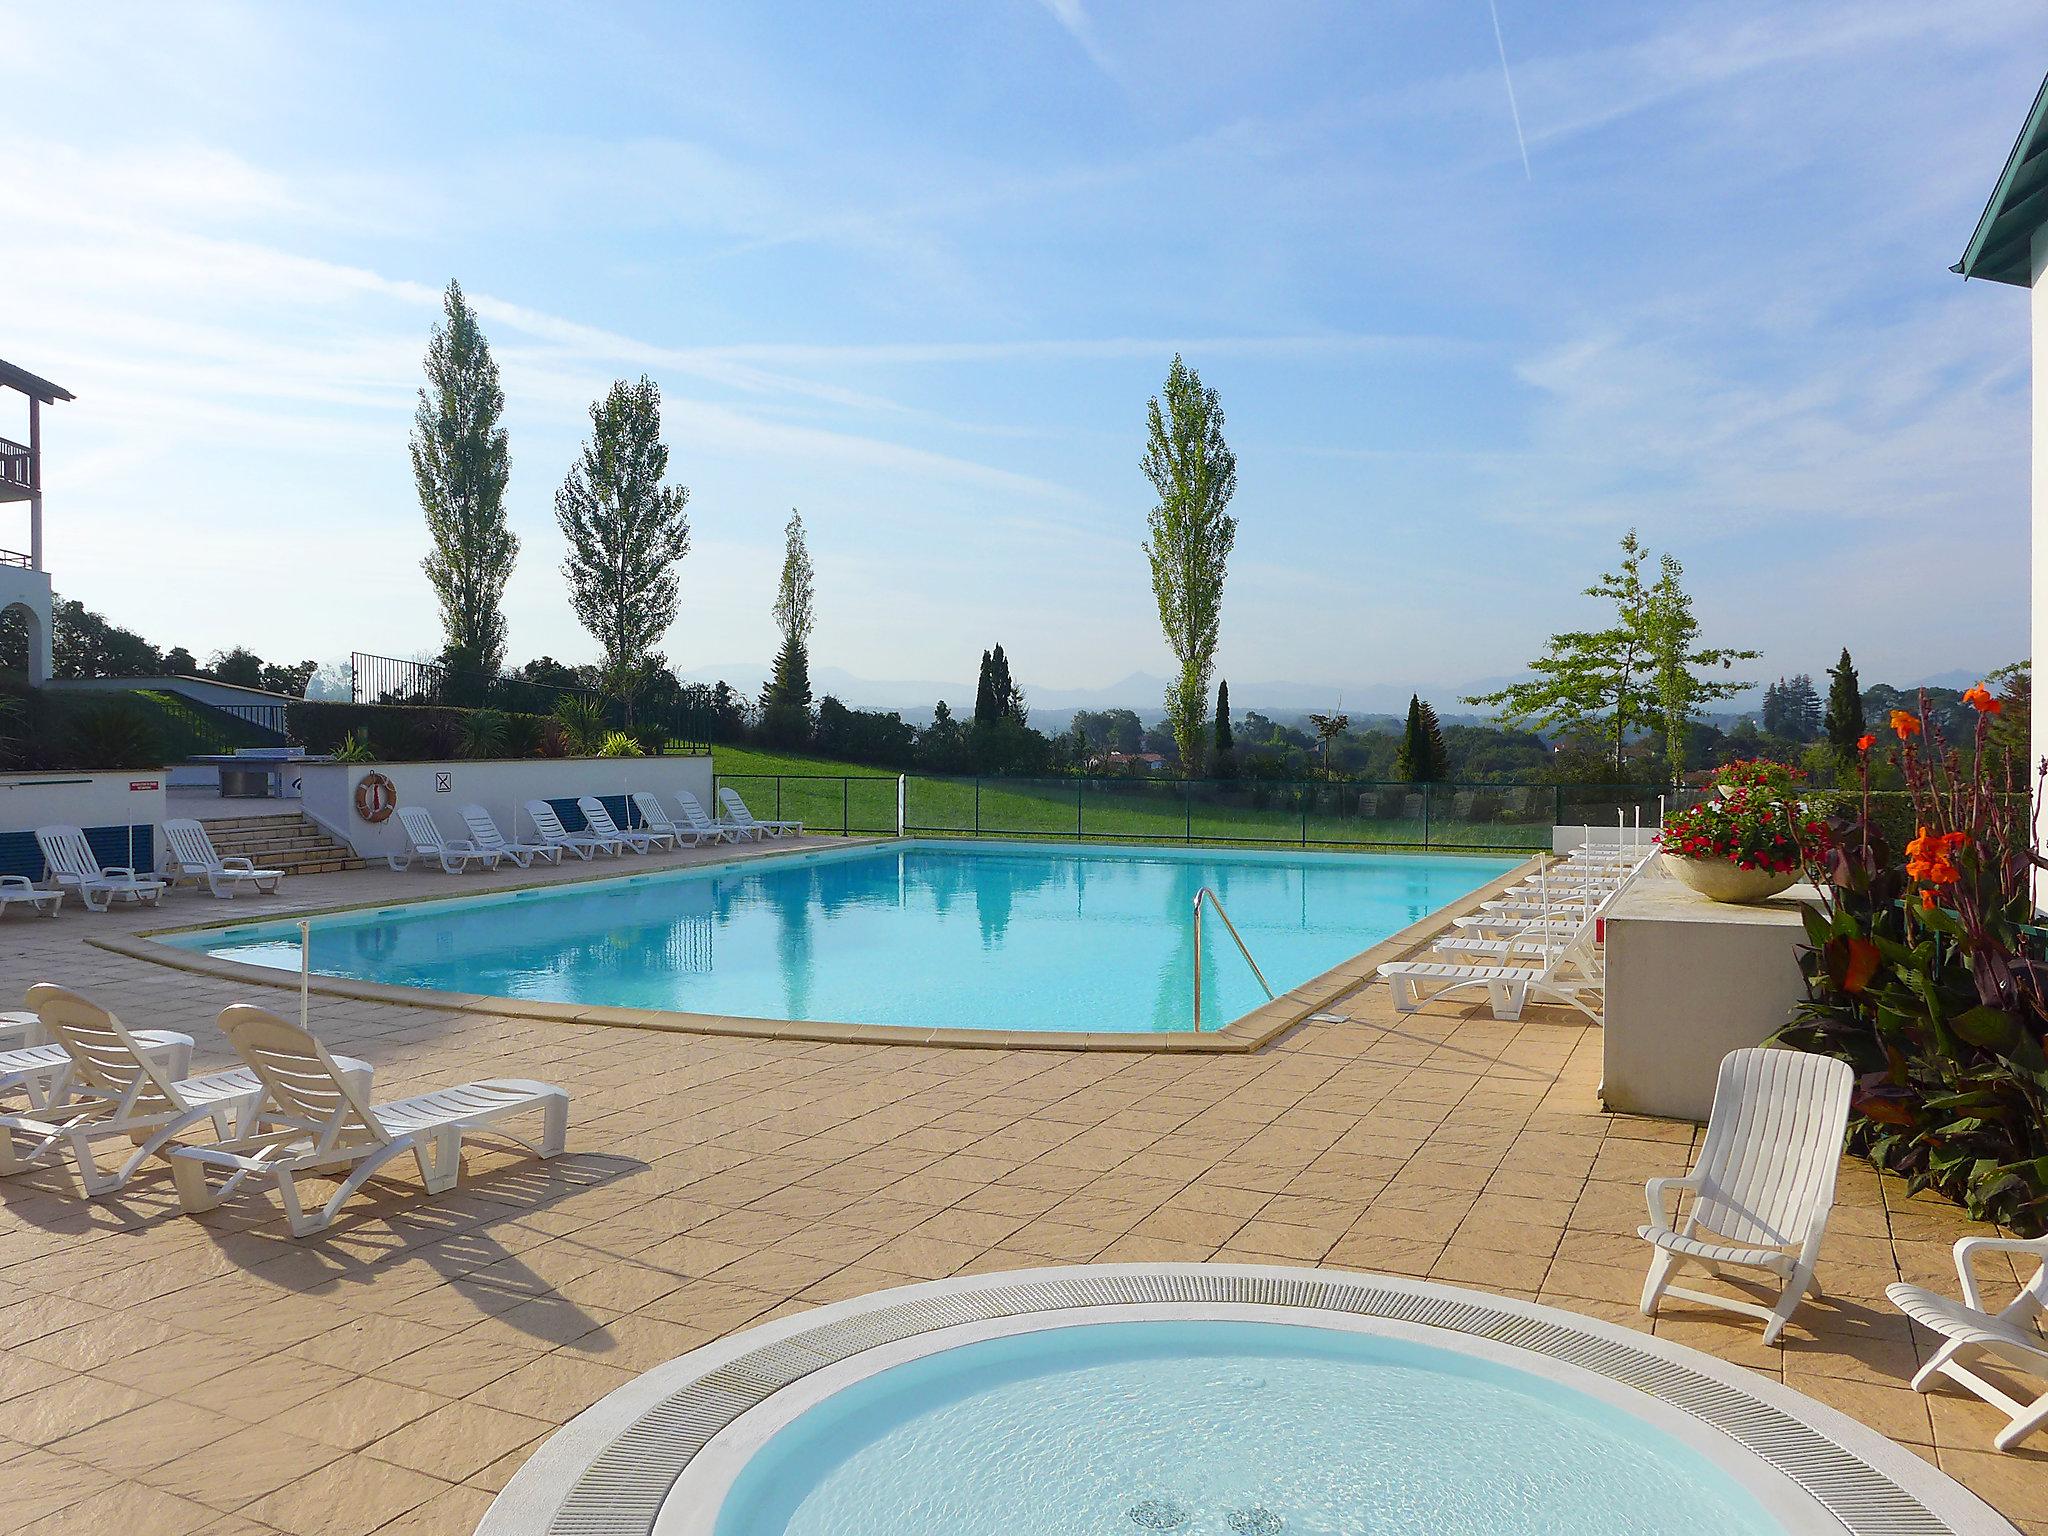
(794, 616)
(1224, 741)
(1845, 705)
(984, 692)
(1423, 758)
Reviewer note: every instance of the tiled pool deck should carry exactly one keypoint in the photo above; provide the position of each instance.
(162, 1376)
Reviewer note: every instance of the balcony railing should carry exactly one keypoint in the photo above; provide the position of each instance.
(16, 557)
(17, 468)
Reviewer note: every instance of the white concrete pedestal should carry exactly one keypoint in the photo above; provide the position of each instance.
(1689, 980)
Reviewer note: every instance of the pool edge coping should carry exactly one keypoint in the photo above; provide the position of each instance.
(744, 1368)
(1248, 1033)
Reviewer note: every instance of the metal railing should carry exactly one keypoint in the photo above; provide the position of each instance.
(1206, 894)
(17, 466)
(16, 557)
(377, 679)
(1510, 818)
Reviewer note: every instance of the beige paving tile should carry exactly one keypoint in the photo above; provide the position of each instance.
(346, 1498)
(458, 1440)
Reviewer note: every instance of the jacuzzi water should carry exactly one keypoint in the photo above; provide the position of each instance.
(942, 935)
(1214, 1428)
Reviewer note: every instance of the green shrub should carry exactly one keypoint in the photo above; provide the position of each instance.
(354, 748)
(619, 744)
(582, 721)
(484, 733)
(116, 735)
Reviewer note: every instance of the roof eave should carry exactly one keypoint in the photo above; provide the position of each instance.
(1972, 263)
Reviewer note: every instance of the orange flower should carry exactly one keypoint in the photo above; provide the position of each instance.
(1930, 857)
(1905, 725)
(1865, 743)
(1979, 698)
(1927, 901)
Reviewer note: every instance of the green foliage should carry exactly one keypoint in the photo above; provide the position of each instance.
(996, 694)
(1793, 710)
(1925, 970)
(1423, 758)
(1844, 719)
(620, 744)
(237, 665)
(626, 532)
(582, 721)
(85, 645)
(119, 734)
(1191, 533)
(179, 662)
(460, 464)
(354, 748)
(787, 726)
(485, 733)
(1641, 671)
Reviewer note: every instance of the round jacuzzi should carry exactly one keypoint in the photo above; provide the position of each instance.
(1213, 1401)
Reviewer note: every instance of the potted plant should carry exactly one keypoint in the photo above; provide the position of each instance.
(1757, 775)
(1742, 847)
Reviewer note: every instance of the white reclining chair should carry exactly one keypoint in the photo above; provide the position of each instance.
(1972, 1333)
(193, 854)
(1764, 1184)
(74, 866)
(428, 844)
(485, 834)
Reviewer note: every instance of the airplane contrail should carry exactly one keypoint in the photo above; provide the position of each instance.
(1513, 110)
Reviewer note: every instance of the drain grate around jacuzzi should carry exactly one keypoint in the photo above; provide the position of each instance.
(622, 1490)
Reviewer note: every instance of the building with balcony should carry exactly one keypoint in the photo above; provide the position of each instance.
(24, 583)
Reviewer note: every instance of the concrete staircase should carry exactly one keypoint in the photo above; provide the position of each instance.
(290, 843)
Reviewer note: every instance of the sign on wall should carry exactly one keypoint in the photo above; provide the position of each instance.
(444, 783)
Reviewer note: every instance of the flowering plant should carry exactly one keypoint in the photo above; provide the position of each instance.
(1926, 972)
(1774, 779)
(1747, 828)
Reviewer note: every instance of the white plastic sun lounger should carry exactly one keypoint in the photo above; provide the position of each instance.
(40, 1069)
(657, 819)
(640, 840)
(547, 826)
(428, 844)
(737, 813)
(1972, 1333)
(193, 853)
(120, 1085)
(74, 866)
(706, 829)
(484, 833)
(1562, 972)
(1763, 1186)
(16, 890)
(321, 1123)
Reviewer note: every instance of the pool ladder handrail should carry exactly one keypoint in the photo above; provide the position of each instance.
(1208, 895)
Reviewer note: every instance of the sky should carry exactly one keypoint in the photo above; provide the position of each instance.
(1475, 301)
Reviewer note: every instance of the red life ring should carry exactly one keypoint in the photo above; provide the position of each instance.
(376, 797)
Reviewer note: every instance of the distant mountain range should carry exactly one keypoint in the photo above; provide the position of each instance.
(1053, 708)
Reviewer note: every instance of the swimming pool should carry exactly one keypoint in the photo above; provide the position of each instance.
(934, 935)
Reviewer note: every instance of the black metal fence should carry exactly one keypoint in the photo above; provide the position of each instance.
(1303, 814)
(684, 727)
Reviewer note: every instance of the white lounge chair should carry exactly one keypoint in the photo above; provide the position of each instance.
(656, 819)
(706, 829)
(322, 1123)
(1972, 1333)
(427, 843)
(1561, 971)
(547, 826)
(1763, 1186)
(639, 839)
(737, 813)
(193, 853)
(484, 833)
(18, 890)
(120, 1085)
(74, 866)
(40, 1069)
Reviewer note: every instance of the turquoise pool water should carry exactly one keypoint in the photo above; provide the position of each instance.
(946, 935)
(1224, 1429)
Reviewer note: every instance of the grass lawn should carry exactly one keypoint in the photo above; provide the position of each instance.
(830, 796)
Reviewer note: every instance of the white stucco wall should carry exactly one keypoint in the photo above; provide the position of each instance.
(500, 787)
(128, 798)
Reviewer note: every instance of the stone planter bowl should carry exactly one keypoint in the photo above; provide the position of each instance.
(1718, 880)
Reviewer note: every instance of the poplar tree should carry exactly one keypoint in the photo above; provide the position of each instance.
(794, 616)
(460, 464)
(1191, 533)
(627, 532)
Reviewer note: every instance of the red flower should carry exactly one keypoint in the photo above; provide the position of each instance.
(1865, 743)
(1979, 698)
(1905, 725)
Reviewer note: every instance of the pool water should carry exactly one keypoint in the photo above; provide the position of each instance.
(1213, 1428)
(926, 935)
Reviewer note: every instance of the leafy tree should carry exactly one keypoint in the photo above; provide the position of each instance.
(1423, 758)
(239, 665)
(1191, 534)
(460, 464)
(1608, 685)
(82, 644)
(1328, 728)
(289, 677)
(627, 532)
(1111, 730)
(1844, 720)
(2012, 727)
(794, 616)
(179, 662)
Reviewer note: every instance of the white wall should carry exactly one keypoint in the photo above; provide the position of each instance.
(501, 787)
(32, 800)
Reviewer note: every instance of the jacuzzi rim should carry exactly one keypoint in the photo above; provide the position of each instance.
(590, 1478)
